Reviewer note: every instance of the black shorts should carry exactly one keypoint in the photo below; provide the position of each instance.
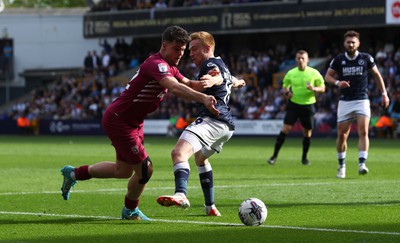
(305, 113)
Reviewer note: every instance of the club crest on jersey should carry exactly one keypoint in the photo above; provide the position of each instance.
(135, 149)
(361, 62)
(162, 67)
(210, 64)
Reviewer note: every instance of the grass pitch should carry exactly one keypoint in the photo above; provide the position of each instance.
(305, 203)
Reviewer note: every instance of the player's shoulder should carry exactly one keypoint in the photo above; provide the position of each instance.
(312, 70)
(367, 56)
(154, 59)
(340, 56)
(211, 63)
(293, 70)
(156, 62)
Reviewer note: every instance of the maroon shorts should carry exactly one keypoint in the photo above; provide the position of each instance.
(127, 139)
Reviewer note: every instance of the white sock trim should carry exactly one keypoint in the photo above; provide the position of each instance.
(182, 165)
(203, 169)
(363, 154)
(341, 155)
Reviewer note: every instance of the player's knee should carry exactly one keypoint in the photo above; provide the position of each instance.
(147, 171)
(176, 153)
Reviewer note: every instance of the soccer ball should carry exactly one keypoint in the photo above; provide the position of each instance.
(252, 212)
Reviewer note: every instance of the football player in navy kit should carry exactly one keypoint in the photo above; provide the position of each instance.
(207, 134)
(349, 72)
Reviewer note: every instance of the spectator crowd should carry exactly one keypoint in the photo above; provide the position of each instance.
(87, 96)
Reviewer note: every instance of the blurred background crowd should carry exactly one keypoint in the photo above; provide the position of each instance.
(86, 96)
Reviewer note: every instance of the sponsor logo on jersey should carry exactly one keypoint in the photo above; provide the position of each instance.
(352, 71)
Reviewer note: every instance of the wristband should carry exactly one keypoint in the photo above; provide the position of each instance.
(384, 93)
(337, 82)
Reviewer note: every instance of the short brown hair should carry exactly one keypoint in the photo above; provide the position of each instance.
(352, 33)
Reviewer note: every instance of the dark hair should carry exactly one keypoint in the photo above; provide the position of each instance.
(175, 33)
(352, 33)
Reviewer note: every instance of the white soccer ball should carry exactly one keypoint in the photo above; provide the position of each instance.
(253, 212)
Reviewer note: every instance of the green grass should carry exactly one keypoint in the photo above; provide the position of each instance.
(305, 203)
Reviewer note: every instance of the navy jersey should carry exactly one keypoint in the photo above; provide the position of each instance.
(220, 92)
(354, 71)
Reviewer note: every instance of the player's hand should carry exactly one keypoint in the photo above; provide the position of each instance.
(288, 94)
(385, 101)
(209, 102)
(343, 84)
(240, 83)
(310, 87)
(206, 81)
(209, 80)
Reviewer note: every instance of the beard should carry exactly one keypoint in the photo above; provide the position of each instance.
(351, 52)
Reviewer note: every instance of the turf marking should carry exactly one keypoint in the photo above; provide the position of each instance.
(205, 223)
(172, 188)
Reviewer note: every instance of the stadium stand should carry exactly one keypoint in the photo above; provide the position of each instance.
(85, 96)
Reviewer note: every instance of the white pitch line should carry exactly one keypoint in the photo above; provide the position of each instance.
(172, 188)
(206, 223)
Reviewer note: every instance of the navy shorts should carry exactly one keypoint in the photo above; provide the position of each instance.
(304, 113)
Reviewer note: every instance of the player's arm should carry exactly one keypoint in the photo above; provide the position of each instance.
(318, 89)
(206, 81)
(185, 92)
(286, 86)
(381, 86)
(330, 78)
(213, 77)
(319, 83)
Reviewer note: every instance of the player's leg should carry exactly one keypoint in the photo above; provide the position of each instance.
(363, 120)
(345, 117)
(136, 185)
(220, 135)
(103, 169)
(207, 184)
(180, 157)
(288, 122)
(306, 146)
(343, 130)
(280, 140)
(306, 116)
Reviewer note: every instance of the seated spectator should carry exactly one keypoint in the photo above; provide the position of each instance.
(181, 124)
(24, 124)
(384, 126)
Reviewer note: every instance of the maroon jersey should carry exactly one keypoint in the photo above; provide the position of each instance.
(143, 94)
